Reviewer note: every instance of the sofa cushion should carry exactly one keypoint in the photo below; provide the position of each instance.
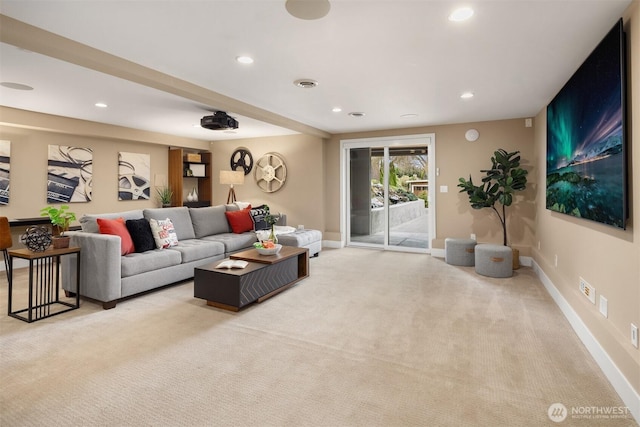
(89, 224)
(141, 234)
(137, 263)
(240, 221)
(234, 242)
(117, 227)
(179, 216)
(196, 249)
(209, 220)
(164, 233)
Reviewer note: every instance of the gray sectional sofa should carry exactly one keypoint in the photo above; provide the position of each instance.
(204, 236)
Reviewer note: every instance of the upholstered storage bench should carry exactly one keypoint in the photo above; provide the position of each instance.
(459, 251)
(310, 239)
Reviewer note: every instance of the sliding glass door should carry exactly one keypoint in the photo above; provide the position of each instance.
(387, 193)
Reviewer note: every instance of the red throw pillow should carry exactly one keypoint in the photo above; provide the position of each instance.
(240, 221)
(117, 227)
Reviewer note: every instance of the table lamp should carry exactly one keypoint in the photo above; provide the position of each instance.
(230, 178)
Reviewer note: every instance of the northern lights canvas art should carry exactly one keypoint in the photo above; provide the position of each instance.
(586, 156)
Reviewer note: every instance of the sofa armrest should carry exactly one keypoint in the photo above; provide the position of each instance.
(99, 266)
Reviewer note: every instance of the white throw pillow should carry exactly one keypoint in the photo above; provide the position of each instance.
(163, 233)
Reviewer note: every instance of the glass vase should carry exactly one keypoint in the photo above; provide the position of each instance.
(272, 236)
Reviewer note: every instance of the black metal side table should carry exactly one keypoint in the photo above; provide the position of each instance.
(44, 284)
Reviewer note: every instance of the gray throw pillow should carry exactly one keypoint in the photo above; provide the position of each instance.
(209, 221)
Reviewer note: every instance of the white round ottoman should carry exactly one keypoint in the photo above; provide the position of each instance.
(459, 251)
(494, 260)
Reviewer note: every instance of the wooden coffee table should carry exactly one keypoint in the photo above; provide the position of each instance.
(264, 277)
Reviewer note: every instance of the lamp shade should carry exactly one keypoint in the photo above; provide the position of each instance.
(231, 177)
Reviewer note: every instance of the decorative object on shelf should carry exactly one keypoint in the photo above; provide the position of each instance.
(192, 196)
(61, 219)
(134, 176)
(242, 158)
(36, 238)
(270, 172)
(165, 195)
(193, 157)
(197, 170)
(188, 171)
(498, 185)
(231, 178)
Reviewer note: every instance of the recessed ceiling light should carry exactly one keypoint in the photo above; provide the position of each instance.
(336, 109)
(461, 14)
(16, 86)
(244, 59)
(101, 105)
(357, 114)
(306, 83)
(467, 95)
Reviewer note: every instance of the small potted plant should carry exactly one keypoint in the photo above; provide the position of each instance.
(272, 219)
(60, 219)
(165, 194)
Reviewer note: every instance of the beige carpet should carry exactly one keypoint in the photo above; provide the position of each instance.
(370, 339)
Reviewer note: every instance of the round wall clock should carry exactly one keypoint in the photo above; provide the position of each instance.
(270, 172)
(242, 158)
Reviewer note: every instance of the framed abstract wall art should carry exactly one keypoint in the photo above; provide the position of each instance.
(134, 176)
(70, 174)
(5, 166)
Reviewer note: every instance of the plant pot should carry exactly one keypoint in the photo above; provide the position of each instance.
(60, 242)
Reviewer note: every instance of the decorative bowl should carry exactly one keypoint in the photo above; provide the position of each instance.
(272, 251)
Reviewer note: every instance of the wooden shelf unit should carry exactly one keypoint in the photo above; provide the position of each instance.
(177, 165)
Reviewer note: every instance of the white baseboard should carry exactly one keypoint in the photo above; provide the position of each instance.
(629, 396)
(438, 253)
(333, 244)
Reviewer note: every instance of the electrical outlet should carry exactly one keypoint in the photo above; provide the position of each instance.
(538, 244)
(587, 290)
(473, 236)
(555, 260)
(634, 335)
(604, 306)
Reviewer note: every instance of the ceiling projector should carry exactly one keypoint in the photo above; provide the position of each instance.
(219, 121)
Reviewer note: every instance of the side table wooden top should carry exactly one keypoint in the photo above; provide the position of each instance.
(28, 254)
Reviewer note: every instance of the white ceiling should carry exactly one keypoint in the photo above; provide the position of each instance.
(384, 58)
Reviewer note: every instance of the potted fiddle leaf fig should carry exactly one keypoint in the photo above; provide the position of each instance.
(498, 187)
(61, 219)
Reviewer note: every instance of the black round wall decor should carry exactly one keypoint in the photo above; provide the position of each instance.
(242, 158)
